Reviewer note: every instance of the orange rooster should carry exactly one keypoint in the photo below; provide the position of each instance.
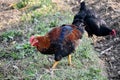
(60, 41)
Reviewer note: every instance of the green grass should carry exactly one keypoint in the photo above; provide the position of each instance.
(21, 4)
(21, 61)
(10, 35)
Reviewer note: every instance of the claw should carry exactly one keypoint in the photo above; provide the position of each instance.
(55, 64)
(69, 60)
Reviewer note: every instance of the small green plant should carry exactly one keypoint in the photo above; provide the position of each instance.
(23, 50)
(10, 35)
(53, 24)
(14, 55)
(44, 7)
(21, 4)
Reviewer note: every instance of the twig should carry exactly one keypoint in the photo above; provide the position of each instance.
(102, 52)
(110, 64)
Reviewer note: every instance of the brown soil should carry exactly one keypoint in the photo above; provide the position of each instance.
(109, 50)
(8, 16)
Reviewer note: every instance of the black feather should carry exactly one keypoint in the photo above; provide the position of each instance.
(93, 23)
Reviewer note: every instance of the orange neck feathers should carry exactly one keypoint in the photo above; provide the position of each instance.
(43, 42)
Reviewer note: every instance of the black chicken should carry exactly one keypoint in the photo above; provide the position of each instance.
(94, 25)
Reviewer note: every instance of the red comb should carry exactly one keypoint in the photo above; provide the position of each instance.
(31, 39)
(114, 32)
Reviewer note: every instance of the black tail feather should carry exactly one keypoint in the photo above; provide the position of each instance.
(79, 17)
(82, 6)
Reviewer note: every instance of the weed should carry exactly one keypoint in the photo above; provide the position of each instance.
(10, 35)
(21, 4)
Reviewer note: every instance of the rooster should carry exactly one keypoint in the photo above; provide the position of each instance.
(94, 25)
(60, 41)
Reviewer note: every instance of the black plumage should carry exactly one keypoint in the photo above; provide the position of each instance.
(94, 25)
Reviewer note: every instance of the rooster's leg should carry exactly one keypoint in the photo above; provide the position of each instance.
(69, 60)
(55, 64)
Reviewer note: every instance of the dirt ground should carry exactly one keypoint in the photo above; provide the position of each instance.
(8, 16)
(109, 10)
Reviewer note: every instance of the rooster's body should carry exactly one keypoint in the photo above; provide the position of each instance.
(60, 41)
